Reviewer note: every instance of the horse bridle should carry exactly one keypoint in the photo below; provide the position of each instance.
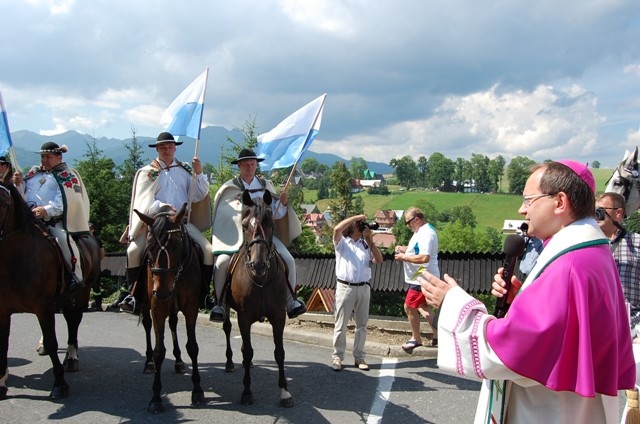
(629, 182)
(258, 236)
(176, 268)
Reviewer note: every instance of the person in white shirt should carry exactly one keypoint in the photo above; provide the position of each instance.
(168, 181)
(58, 197)
(421, 252)
(227, 238)
(355, 250)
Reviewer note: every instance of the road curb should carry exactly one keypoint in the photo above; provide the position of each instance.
(317, 329)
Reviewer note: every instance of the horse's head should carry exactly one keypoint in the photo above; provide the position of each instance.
(257, 224)
(626, 181)
(167, 248)
(14, 211)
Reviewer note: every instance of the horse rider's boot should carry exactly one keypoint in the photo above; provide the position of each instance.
(130, 303)
(218, 311)
(75, 283)
(295, 307)
(205, 294)
(98, 303)
(132, 274)
(116, 303)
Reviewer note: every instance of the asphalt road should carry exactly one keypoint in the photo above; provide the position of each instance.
(111, 388)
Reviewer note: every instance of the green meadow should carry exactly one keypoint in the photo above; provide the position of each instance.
(490, 209)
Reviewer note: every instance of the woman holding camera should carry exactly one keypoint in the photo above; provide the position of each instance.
(355, 250)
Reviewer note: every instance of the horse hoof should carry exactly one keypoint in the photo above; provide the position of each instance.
(287, 403)
(41, 351)
(59, 392)
(71, 365)
(180, 368)
(229, 368)
(149, 368)
(197, 398)
(155, 407)
(3, 393)
(246, 399)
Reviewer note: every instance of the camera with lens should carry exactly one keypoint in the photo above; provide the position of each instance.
(600, 214)
(371, 225)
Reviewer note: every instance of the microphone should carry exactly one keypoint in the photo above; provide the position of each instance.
(514, 246)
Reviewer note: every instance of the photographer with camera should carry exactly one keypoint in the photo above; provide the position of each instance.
(422, 251)
(355, 250)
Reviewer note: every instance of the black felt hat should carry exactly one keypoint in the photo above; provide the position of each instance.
(51, 147)
(246, 154)
(4, 161)
(164, 138)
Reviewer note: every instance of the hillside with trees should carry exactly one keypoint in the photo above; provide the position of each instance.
(467, 200)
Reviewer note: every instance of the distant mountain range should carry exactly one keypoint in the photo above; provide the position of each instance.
(27, 145)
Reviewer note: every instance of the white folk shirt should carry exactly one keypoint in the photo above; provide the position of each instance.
(173, 187)
(277, 210)
(43, 190)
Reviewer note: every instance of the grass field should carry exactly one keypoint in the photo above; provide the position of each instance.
(490, 209)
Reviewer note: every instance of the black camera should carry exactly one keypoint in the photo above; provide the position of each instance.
(601, 214)
(370, 225)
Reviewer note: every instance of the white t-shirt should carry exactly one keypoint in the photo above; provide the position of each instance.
(423, 242)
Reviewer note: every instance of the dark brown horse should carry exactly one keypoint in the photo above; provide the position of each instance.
(32, 280)
(173, 279)
(258, 291)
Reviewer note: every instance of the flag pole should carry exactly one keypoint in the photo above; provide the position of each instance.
(12, 155)
(14, 159)
(195, 154)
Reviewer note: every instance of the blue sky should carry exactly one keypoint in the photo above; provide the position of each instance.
(542, 79)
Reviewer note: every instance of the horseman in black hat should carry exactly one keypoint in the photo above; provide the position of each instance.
(167, 181)
(59, 198)
(227, 235)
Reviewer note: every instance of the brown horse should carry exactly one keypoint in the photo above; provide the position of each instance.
(258, 290)
(32, 275)
(173, 279)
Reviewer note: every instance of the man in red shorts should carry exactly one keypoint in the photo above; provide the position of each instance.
(422, 251)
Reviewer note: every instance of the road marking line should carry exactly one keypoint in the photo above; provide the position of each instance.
(386, 378)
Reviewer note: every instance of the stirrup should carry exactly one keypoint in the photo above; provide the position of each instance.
(216, 314)
(75, 284)
(130, 305)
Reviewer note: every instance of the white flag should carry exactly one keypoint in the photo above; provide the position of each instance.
(184, 115)
(284, 145)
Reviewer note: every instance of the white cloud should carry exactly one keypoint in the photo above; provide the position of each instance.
(55, 7)
(632, 69)
(326, 15)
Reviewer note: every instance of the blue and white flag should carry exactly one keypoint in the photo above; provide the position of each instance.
(184, 115)
(5, 135)
(284, 145)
